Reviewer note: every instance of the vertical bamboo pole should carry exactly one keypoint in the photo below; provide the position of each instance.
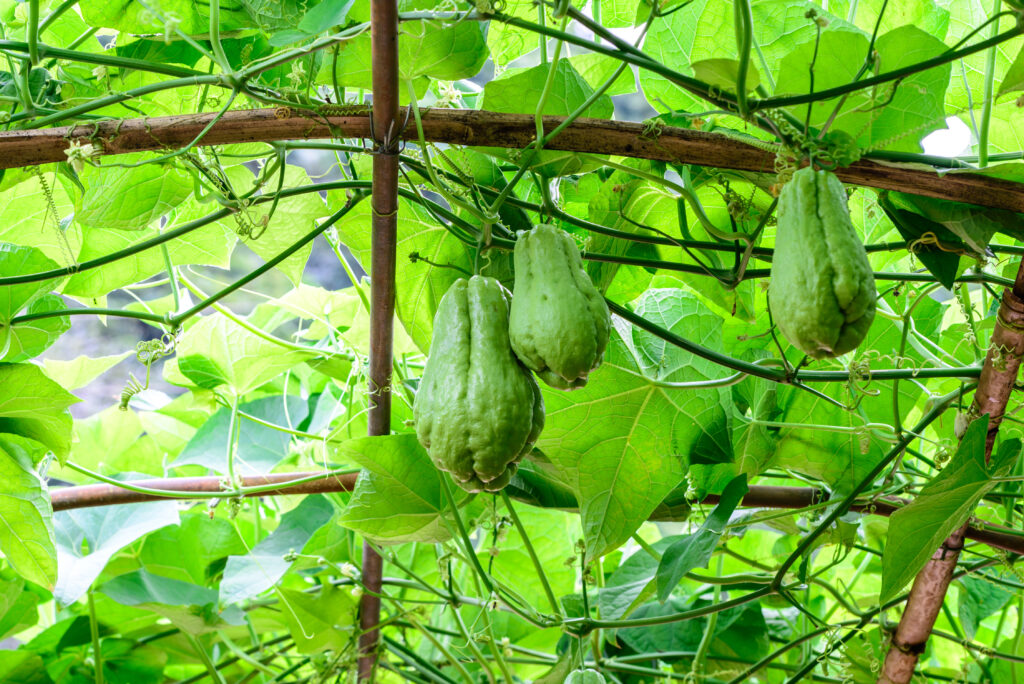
(384, 41)
(998, 376)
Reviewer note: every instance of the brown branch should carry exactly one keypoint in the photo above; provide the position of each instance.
(383, 250)
(758, 496)
(473, 127)
(88, 496)
(998, 376)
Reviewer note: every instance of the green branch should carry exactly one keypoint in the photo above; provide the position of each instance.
(780, 375)
(173, 234)
(583, 626)
(22, 49)
(119, 313)
(256, 273)
(116, 98)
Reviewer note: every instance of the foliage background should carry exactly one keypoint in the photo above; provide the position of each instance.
(271, 378)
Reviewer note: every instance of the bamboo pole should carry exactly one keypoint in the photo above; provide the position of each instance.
(384, 58)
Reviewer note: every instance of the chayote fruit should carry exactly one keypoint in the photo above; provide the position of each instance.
(559, 323)
(478, 411)
(822, 291)
(585, 677)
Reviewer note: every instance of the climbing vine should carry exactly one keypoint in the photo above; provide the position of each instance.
(186, 202)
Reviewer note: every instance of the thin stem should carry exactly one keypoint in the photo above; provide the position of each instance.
(116, 98)
(32, 32)
(779, 375)
(256, 273)
(94, 632)
(204, 658)
(537, 565)
(464, 535)
(55, 14)
(743, 23)
(986, 107)
(218, 49)
(99, 59)
(118, 255)
(232, 441)
(172, 277)
(583, 626)
(709, 629)
(137, 315)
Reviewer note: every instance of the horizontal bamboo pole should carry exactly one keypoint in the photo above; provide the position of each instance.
(19, 148)
(758, 496)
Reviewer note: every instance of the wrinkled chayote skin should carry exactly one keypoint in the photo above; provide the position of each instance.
(822, 291)
(559, 323)
(478, 411)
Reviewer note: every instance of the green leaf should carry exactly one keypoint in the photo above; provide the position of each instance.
(127, 662)
(624, 441)
(293, 219)
(324, 621)
(34, 406)
(507, 42)
(973, 225)
(808, 444)
(332, 314)
(427, 50)
(135, 18)
(722, 73)
(28, 339)
(252, 574)
(190, 550)
(511, 565)
(941, 263)
(441, 50)
(129, 198)
(209, 245)
(521, 92)
(596, 69)
(398, 496)
(27, 217)
(943, 505)
(682, 37)
(419, 285)
(895, 117)
(22, 667)
(979, 598)
(25, 340)
(259, 447)
(18, 604)
(140, 587)
(1013, 80)
(695, 550)
(82, 370)
(325, 15)
(26, 517)
(741, 628)
(105, 530)
(19, 259)
(216, 351)
(633, 582)
(276, 15)
(202, 371)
